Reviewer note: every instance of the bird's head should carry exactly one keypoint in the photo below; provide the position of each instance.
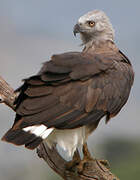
(94, 27)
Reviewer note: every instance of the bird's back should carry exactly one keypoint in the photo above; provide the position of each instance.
(72, 90)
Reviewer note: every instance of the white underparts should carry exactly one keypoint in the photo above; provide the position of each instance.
(69, 140)
(39, 130)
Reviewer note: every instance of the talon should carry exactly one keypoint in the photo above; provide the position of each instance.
(70, 166)
(80, 167)
(74, 162)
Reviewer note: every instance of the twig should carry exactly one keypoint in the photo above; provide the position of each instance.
(92, 169)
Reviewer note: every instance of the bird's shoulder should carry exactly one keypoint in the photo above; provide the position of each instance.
(79, 87)
(80, 65)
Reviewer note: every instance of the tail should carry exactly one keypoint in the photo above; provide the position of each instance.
(20, 137)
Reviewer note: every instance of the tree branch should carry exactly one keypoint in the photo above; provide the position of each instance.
(7, 94)
(92, 169)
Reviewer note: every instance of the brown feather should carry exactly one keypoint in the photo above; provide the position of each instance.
(72, 90)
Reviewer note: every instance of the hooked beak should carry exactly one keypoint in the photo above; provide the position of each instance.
(76, 29)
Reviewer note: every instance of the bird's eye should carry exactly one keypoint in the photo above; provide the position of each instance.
(91, 23)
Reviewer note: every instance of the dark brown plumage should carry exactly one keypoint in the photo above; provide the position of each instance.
(71, 90)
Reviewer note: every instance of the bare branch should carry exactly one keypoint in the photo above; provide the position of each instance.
(7, 94)
(92, 169)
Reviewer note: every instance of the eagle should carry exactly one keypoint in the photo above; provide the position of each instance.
(64, 103)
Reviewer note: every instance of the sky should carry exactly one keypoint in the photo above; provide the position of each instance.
(32, 31)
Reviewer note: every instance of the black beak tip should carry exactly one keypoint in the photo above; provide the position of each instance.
(74, 33)
(76, 29)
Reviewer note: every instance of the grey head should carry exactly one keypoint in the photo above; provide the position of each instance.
(94, 27)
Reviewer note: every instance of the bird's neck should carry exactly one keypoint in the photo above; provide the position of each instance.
(104, 45)
(97, 39)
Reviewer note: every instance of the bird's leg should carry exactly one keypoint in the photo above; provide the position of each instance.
(86, 152)
(87, 157)
(76, 160)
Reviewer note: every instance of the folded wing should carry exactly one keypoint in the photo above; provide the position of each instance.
(71, 90)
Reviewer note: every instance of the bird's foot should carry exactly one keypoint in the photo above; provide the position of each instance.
(81, 165)
(77, 164)
(74, 162)
(87, 158)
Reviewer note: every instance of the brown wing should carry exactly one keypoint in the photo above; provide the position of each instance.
(72, 90)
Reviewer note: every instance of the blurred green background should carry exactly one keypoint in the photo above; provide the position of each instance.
(30, 32)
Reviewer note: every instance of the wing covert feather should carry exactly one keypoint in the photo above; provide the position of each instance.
(74, 89)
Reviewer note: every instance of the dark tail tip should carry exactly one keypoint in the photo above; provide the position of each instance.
(20, 137)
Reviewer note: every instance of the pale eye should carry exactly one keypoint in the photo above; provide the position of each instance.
(91, 23)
